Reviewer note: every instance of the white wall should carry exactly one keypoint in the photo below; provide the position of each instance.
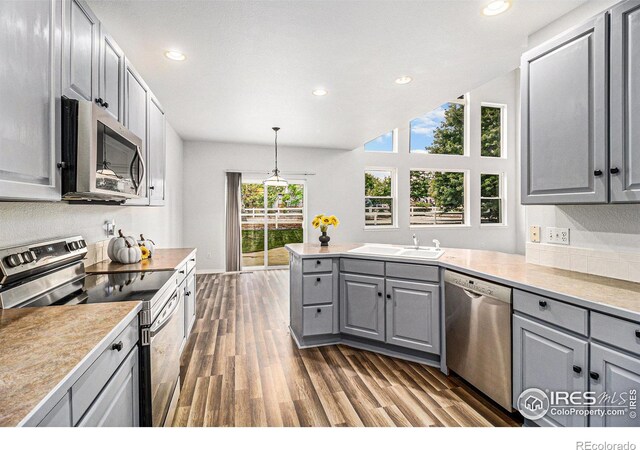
(610, 227)
(23, 222)
(338, 184)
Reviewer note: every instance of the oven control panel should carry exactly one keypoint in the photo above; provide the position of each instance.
(19, 262)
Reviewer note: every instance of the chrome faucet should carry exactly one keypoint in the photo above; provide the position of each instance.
(416, 243)
(437, 243)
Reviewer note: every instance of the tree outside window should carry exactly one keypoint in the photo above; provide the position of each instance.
(491, 131)
(379, 198)
(490, 198)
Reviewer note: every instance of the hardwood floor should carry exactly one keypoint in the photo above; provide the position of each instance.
(241, 368)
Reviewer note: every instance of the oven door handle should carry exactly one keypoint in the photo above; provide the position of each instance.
(168, 315)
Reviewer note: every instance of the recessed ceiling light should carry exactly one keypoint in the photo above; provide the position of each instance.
(175, 55)
(404, 80)
(320, 92)
(496, 7)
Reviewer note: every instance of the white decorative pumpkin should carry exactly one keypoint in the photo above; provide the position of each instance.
(129, 254)
(148, 244)
(118, 243)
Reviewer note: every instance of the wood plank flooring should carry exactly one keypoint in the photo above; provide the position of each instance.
(241, 368)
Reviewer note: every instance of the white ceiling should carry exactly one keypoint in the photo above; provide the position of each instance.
(252, 65)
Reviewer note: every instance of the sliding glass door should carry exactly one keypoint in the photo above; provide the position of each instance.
(271, 218)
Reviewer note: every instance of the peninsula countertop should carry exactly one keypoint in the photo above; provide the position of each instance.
(608, 295)
(162, 259)
(44, 348)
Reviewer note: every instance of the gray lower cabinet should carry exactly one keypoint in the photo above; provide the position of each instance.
(157, 152)
(413, 315)
(80, 49)
(362, 310)
(615, 375)
(118, 403)
(60, 415)
(190, 302)
(625, 102)
(29, 45)
(546, 358)
(564, 81)
(111, 75)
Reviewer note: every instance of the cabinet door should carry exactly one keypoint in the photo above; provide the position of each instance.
(362, 306)
(625, 102)
(29, 147)
(118, 403)
(157, 153)
(136, 115)
(190, 303)
(111, 74)
(564, 118)
(60, 415)
(616, 376)
(544, 358)
(80, 52)
(413, 315)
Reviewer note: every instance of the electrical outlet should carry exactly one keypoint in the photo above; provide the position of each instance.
(557, 235)
(110, 227)
(534, 233)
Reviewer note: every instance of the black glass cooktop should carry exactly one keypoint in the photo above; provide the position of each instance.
(120, 287)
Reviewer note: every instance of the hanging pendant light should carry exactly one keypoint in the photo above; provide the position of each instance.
(276, 179)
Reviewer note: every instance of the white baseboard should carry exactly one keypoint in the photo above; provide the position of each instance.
(208, 271)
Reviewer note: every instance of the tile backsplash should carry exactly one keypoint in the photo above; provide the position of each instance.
(620, 265)
(96, 252)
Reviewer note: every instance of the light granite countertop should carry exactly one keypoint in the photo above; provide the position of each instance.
(608, 295)
(44, 350)
(163, 259)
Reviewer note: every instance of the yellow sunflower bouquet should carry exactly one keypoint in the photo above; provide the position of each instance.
(323, 222)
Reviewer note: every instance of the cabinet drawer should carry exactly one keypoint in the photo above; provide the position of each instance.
(362, 266)
(561, 314)
(317, 320)
(617, 332)
(317, 289)
(317, 265)
(191, 263)
(87, 388)
(413, 272)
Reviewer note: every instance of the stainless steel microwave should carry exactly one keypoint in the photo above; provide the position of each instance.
(101, 159)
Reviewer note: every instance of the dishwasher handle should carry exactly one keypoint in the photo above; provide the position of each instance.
(471, 294)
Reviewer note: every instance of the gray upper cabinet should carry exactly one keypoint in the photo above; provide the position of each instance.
(362, 310)
(136, 113)
(545, 358)
(564, 118)
(617, 375)
(80, 49)
(413, 315)
(625, 102)
(157, 152)
(111, 75)
(30, 147)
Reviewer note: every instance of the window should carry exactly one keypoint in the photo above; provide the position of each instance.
(491, 137)
(437, 197)
(379, 197)
(385, 143)
(491, 198)
(439, 132)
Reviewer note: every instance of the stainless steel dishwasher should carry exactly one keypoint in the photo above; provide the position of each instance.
(478, 339)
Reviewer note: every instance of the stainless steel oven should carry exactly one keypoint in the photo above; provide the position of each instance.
(101, 158)
(165, 339)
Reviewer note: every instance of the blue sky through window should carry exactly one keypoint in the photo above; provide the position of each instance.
(383, 143)
(422, 128)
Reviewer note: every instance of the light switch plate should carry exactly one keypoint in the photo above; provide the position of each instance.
(534, 233)
(556, 235)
